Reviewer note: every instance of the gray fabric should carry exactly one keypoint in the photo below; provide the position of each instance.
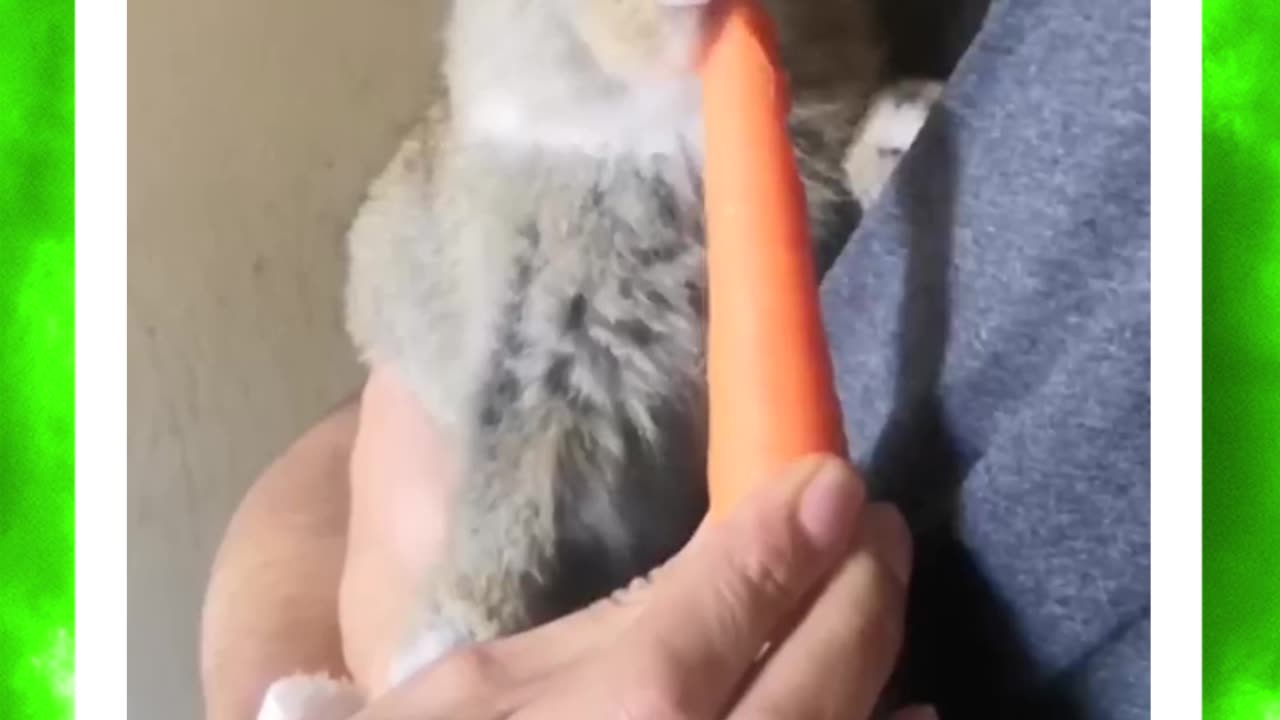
(989, 324)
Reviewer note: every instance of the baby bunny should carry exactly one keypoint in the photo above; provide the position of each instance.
(532, 261)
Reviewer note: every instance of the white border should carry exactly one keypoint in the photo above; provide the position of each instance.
(101, 397)
(1176, 359)
(101, 490)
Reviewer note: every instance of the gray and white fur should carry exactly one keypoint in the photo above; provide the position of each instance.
(533, 263)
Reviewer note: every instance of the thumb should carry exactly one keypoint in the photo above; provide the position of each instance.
(710, 615)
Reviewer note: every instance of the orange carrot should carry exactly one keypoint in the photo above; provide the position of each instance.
(769, 369)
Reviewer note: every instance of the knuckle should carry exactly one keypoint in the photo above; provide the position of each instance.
(764, 566)
(661, 696)
(756, 578)
(749, 588)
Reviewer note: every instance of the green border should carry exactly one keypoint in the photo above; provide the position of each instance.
(37, 465)
(1241, 360)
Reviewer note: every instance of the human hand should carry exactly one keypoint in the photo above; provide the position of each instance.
(792, 608)
(403, 469)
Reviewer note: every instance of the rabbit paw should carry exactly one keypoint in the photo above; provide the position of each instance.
(893, 119)
(310, 697)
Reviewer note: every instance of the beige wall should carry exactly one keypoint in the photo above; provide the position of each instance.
(253, 128)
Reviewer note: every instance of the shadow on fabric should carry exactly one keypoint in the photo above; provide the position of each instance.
(962, 651)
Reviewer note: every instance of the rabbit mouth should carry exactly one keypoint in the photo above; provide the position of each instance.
(642, 40)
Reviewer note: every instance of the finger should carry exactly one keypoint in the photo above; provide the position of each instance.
(553, 645)
(839, 657)
(497, 677)
(704, 625)
(470, 682)
(402, 475)
(548, 648)
(561, 642)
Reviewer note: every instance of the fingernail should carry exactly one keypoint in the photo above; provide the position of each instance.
(828, 504)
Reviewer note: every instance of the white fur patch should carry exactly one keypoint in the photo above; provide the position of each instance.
(662, 118)
(424, 649)
(891, 125)
(319, 697)
(310, 697)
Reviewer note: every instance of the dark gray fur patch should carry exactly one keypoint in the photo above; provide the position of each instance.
(500, 392)
(696, 297)
(524, 276)
(623, 501)
(819, 155)
(531, 233)
(575, 316)
(595, 198)
(651, 499)
(513, 342)
(654, 255)
(506, 386)
(636, 331)
(808, 140)
(556, 380)
(498, 396)
(668, 208)
(658, 300)
(490, 413)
